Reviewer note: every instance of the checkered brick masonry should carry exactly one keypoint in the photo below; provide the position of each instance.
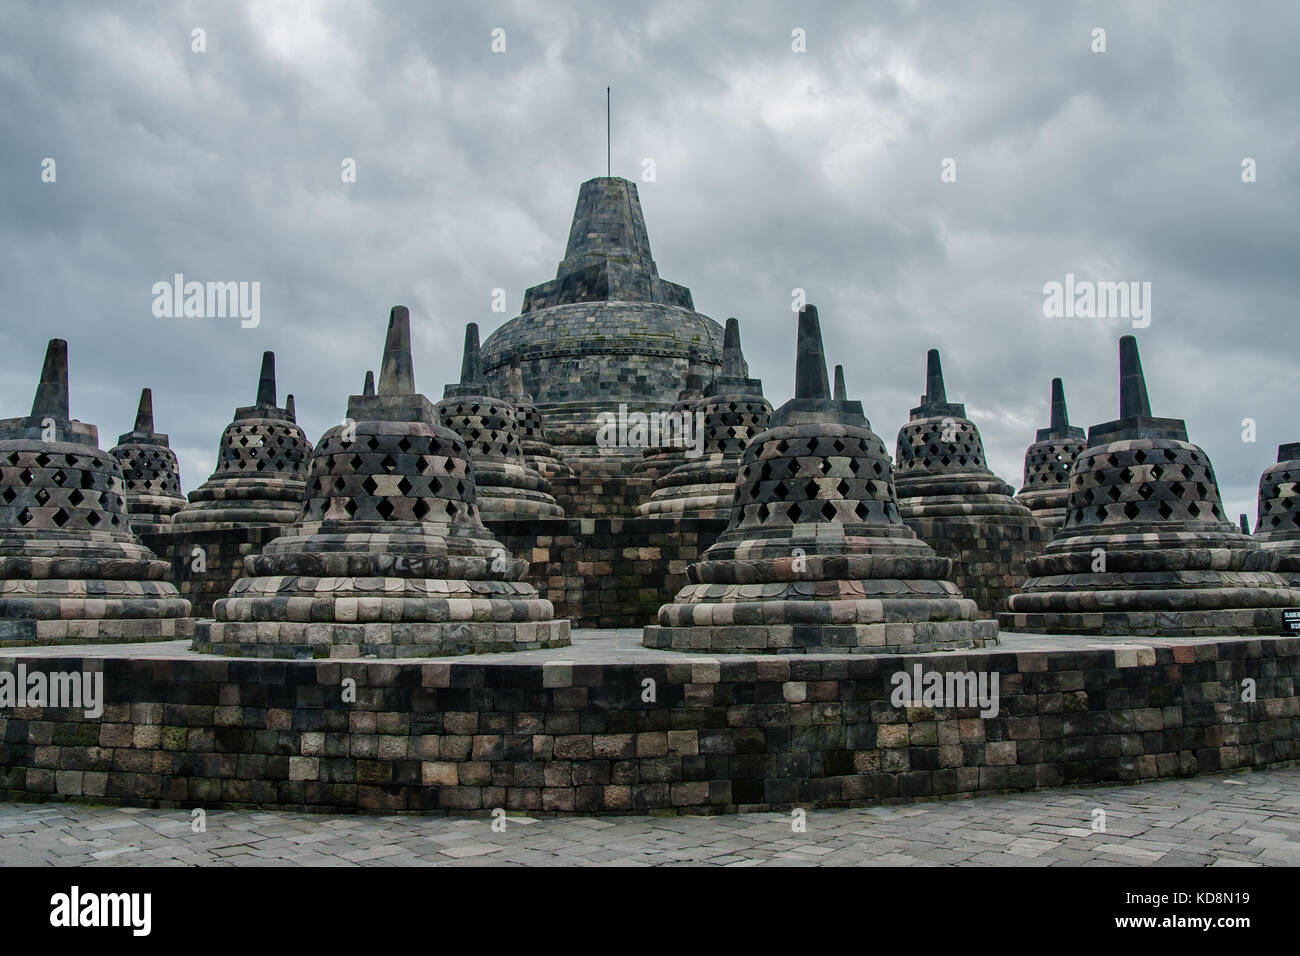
(390, 558)
(539, 453)
(150, 471)
(733, 411)
(659, 460)
(816, 557)
(261, 467)
(737, 734)
(1277, 528)
(607, 331)
(507, 484)
(71, 571)
(1146, 548)
(951, 499)
(1046, 487)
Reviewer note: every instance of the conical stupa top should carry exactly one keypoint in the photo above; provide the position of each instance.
(733, 360)
(144, 413)
(841, 393)
(369, 387)
(52, 393)
(607, 224)
(291, 409)
(934, 390)
(397, 373)
(810, 359)
(266, 381)
(1133, 401)
(471, 364)
(1060, 415)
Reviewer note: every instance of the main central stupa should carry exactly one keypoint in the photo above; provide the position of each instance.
(606, 331)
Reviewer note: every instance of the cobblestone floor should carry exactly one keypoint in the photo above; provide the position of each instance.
(1241, 819)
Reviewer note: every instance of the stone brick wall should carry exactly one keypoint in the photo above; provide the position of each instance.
(745, 734)
(610, 572)
(989, 559)
(224, 552)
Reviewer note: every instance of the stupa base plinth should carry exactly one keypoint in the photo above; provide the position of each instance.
(292, 640)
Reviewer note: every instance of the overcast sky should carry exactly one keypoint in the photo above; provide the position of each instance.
(774, 170)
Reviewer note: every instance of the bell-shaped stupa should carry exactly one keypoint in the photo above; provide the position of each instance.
(539, 453)
(949, 497)
(734, 411)
(508, 487)
(816, 558)
(1277, 527)
(261, 467)
(606, 331)
(390, 558)
(1146, 549)
(1047, 464)
(150, 471)
(71, 571)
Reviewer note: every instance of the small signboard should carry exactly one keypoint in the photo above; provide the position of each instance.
(1291, 620)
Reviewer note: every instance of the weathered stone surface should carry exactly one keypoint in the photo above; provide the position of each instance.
(150, 471)
(1277, 527)
(606, 331)
(732, 411)
(71, 571)
(1146, 548)
(261, 468)
(816, 557)
(949, 497)
(1047, 464)
(508, 486)
(390, 557)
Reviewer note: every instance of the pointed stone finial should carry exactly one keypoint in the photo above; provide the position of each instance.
(471, 365)
(1060, 416)
(144, 413)
(810, 358)
(397, 373)
(1245, 524)
(266, 381)
(290, 409)
(934, 390)
(841, 393)
(52, 392)
(369, 387)
(733, 360)
(1133, 401)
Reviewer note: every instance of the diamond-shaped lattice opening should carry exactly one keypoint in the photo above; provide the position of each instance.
(842, 488)
(1140, 456)
(60, 517)
(350, 506)
(1146, 491)
(1194, 509)
(404, 486)
(781, 490)
(93, 519)
(1170, 454)
(1113, 492)
(42, 496)
(75, 497)
(810, 490)
(373, 443)
(25, 517)
(1131, 510)
(8, 496)
(385, 509)
(370, 486)
(420, 508)
(388, 464)
(1177, 488)
(828, 511)
(1164, 509)
(795, 512)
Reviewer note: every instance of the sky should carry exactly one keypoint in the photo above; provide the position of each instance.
(920, 170)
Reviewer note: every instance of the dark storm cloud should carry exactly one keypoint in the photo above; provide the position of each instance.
(774, 170)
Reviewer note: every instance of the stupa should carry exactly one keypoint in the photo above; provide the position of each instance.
(151, 473)
(390, 558)
(1277, 527)
(71, 571)
(539, 453)
(1047, 464)
(670, 451)
(261, 467)
(949, 497)
(606, 331)
(817, 557)
(734, 410)
(508, 487)
(1146, 549)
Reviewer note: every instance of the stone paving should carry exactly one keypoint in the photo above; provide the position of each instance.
(1241, 819)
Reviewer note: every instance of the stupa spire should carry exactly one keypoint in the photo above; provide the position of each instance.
(397, 373)
(841, 393)
(733, 360)
(810, 358)
(290, 409)
(52, 392)
(144, 413)
(1060, 415)
(471, 364)
(368, 388)
(1133, 401)
(934, 390)
(266, 381)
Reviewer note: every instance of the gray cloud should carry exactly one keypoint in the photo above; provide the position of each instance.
(775, 170)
